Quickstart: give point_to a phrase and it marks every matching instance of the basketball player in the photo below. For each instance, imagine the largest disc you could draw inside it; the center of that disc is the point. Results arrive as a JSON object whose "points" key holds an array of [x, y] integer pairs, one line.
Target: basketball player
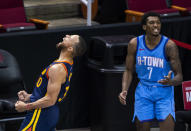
{"points": [[157, 64], [51, 88]]}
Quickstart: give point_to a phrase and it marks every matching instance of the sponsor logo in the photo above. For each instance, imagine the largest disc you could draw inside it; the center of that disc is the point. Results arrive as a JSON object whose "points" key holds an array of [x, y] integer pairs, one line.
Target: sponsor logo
{"points": [[141, 49]]}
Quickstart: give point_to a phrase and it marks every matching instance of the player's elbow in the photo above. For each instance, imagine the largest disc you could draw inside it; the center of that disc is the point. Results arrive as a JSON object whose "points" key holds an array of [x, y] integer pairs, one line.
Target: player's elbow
{"points": [[178, 80], [51, 101], [181, 78]]}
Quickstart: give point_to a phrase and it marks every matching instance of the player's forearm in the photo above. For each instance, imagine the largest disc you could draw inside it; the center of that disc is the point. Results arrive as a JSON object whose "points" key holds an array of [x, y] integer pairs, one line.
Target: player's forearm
{"points": [[126, 81], [44, 102]]}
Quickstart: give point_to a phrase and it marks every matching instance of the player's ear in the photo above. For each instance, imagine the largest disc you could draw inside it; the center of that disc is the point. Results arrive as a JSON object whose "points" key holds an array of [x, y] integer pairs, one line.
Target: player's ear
{"points": [[70, 49], [144, 27]]}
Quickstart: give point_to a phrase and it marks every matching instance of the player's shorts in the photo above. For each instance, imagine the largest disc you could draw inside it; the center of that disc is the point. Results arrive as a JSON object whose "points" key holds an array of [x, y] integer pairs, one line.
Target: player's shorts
{"points": [[153, 102], [41, 119]]}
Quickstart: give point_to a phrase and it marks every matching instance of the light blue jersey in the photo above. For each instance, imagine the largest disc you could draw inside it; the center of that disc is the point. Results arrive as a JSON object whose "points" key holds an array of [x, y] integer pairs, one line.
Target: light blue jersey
{"points": [[151, 64], [152, 99]]}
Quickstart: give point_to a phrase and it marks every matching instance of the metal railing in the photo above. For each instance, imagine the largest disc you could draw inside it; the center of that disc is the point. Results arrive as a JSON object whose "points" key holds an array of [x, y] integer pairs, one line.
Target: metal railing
{"points": [[88, 3]]}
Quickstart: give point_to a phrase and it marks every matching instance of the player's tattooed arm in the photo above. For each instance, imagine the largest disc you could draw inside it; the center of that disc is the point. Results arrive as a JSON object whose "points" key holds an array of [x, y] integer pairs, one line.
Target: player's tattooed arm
{"points": [[172, 55]]}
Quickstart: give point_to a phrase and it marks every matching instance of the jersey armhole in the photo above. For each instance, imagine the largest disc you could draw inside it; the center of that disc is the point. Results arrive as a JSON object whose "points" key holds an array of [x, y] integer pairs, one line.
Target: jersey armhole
{"points": [[64, 69], [137, 46], [164, 50], [47, 73]]}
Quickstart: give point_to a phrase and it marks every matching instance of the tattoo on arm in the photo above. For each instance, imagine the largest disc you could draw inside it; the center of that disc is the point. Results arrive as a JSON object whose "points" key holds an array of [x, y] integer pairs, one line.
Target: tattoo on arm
{"points": [[173, 57]]}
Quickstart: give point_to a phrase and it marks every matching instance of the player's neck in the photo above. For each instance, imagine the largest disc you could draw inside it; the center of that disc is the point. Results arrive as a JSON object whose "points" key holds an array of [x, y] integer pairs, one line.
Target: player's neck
{"points": [[65, 56], [152, 40]]}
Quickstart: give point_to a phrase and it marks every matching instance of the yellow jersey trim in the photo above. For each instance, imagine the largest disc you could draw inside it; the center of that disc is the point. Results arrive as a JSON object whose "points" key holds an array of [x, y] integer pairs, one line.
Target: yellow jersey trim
{"points": [[32, 120], [37, 118]]}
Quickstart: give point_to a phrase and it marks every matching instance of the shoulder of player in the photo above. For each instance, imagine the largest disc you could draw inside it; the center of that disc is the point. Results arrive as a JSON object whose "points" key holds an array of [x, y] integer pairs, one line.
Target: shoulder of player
{"points": [[133, 41], [170, 44], [57, 69], [171, 49], [133, 44]]}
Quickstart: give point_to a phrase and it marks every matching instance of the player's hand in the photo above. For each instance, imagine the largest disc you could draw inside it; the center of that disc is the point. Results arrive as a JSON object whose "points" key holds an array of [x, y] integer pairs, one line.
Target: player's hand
{"points": [[23, 96], [122, 97], [167, 80], [20, 106]]}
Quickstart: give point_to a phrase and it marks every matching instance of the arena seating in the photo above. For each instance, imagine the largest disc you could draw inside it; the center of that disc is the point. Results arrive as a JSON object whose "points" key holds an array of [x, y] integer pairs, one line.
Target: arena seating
{"points": [[13, 18], [11, 82], [182, 5], [136, 8]]}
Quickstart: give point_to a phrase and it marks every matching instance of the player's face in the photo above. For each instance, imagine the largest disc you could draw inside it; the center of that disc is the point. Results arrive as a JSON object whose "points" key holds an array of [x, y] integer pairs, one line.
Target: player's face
{"points": [[69, 41], [153, 26]]}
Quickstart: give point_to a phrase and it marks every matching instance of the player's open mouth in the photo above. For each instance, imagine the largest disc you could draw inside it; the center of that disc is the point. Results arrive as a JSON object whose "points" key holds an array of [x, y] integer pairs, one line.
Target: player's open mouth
{"points": [[156, 30]]}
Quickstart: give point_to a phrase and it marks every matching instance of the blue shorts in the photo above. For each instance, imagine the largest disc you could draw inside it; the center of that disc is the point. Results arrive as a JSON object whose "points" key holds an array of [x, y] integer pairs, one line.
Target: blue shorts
{"points": [[41, 119], [153, 102]]}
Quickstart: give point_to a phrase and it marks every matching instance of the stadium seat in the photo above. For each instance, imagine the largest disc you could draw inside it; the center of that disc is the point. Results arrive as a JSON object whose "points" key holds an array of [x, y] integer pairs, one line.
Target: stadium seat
{"points": [[13, 18], [136, 8], [11, 82], [182, 5]]}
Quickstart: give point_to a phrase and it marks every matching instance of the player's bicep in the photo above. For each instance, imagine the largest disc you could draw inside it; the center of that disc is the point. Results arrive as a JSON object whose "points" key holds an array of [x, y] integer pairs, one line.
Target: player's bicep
{"points": [[173, 56], [131, 51], [57, 76]]}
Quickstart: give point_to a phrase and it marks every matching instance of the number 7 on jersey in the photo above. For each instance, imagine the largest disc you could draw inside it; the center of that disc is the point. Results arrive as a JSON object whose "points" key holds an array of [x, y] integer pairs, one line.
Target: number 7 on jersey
{"points": [[150, 71]]}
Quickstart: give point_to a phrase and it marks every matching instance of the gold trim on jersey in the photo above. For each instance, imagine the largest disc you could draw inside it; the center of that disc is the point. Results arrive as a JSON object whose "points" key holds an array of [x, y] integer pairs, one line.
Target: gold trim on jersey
{"points": [[60, 99], [31, 122], [65, 62], [34, 120], [37, 118]]}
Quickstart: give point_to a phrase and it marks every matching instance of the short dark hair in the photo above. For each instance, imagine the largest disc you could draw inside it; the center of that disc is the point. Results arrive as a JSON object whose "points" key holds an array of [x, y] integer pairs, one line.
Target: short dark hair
{"points": [[80, 48], [146, 15]]}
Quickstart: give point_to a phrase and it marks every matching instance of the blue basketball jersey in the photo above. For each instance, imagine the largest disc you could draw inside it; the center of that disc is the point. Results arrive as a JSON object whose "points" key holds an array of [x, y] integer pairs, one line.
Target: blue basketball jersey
{"points": [[40, 88], [151, 64]]}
